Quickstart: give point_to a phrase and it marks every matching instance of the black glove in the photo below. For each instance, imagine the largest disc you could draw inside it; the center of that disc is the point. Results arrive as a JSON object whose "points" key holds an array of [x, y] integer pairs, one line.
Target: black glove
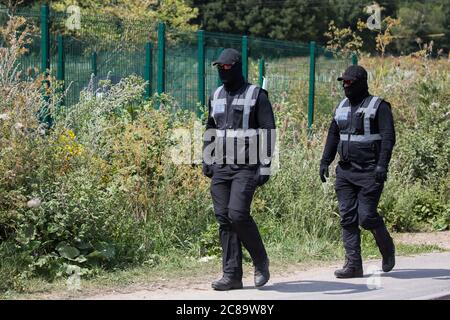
{"points": [[324, 172], [380, 174], [261, 177], [208, 170]]}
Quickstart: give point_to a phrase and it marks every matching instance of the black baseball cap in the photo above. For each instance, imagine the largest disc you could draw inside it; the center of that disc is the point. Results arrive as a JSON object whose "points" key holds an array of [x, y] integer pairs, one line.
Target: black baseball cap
{"points": [[228, 56], [354, 73]]}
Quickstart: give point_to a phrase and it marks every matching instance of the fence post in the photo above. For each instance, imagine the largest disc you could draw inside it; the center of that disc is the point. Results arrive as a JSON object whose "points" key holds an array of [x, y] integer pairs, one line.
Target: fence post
{"points": [[61, 68], [94, 63], [161, 57], [262, 72], [201, 70], [245, 57], [148, 68], [219, 82], [45, 63], [312, 80], [354, 59], [45, 39]]}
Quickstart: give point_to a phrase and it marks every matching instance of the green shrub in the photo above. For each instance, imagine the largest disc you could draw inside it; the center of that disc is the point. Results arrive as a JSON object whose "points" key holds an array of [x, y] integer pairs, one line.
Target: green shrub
{"points": [[415, 208]]}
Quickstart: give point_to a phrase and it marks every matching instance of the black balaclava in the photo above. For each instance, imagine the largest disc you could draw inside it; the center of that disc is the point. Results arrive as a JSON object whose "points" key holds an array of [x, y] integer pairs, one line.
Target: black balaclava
{"points": [[357, 91], [232, 79]]}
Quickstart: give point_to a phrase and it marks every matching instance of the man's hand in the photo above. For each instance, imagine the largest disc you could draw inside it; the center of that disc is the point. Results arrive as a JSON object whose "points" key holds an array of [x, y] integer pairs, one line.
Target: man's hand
{"points": [[324, 172], [208, 170], [380, 174], [262, 175]]}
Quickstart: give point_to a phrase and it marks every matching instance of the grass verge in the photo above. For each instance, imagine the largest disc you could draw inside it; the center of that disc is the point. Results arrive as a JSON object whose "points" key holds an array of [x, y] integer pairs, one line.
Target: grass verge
{"points": [[180, 271]]}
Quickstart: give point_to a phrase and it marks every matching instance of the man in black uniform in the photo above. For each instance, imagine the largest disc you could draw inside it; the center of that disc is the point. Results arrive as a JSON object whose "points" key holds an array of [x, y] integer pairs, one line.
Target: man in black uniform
{"points": [[237, 112], [363, 134]]}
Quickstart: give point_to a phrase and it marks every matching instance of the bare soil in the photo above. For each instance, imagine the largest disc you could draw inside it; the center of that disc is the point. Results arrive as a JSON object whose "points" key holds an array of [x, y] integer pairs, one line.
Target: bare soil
{"points": [[440, 239]]}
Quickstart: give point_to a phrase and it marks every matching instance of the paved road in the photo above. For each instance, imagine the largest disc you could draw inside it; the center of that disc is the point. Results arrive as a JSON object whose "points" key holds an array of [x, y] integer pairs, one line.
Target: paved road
{"points": [[419, 277]]}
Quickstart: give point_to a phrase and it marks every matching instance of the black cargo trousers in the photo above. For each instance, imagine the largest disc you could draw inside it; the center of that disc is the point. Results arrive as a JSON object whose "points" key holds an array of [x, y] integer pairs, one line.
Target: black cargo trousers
{"points": [[358, 195], [232, 190]]}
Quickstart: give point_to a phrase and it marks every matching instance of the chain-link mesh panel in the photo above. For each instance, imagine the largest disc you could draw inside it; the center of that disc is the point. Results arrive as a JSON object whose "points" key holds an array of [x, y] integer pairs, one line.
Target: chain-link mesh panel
{"points": [[328, 89], [102, 48], [286, 66], [106, 47], [181, 68], [30, 62]]}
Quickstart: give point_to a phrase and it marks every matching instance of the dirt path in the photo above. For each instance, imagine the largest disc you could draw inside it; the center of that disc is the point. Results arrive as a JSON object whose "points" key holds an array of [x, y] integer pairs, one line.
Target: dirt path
{"points": [[418, 277], [441, 239]]}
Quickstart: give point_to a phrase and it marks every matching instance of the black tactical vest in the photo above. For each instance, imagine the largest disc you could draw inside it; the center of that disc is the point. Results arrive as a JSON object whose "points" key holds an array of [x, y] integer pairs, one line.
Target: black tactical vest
{"points": [[359, 140], [240, 140]]}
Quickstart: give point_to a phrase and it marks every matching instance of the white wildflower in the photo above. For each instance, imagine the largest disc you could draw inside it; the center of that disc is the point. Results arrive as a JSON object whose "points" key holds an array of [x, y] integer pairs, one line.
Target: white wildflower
{"points": [[206, 259], [34, 203], [41, 131]]}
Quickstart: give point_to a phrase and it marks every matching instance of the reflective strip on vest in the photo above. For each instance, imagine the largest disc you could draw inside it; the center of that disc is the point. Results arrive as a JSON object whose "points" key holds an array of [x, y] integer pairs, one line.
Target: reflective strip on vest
{"points": [[342, 111], [241, 102], [247, 106], [216, 101], [246, 100], [369, 113], [360, 137]]}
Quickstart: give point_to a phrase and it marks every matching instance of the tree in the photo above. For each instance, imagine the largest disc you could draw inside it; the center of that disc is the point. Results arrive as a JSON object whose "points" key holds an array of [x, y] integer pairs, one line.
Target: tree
{"points": [[384, 38], [282, 19], [124, 24], [343, 41], [286, 19], [425, 21], [175, 13], [13, 5], [297, 20]]}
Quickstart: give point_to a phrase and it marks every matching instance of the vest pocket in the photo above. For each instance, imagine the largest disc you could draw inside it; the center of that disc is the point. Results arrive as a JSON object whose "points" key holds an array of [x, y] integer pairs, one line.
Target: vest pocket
{"points": [[342, 120], [219, 115], [362, 152], [238, 114], [358, 123]]}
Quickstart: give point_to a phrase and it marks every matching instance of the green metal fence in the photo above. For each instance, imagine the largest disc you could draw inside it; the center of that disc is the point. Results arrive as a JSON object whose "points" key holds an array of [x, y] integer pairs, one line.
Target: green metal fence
{"points": [[171, 61]]}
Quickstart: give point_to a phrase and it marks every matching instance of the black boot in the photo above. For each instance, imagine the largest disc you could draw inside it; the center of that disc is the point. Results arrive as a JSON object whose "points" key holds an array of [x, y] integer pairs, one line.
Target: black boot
{"points": [[227, 282], [349, 270], [351, 237], [262, 274], [386, 246]]}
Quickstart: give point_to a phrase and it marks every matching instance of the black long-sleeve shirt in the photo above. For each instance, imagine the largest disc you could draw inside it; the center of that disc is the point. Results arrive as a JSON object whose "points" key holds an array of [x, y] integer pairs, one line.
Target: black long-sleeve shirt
{"points": [[384, 121]]}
